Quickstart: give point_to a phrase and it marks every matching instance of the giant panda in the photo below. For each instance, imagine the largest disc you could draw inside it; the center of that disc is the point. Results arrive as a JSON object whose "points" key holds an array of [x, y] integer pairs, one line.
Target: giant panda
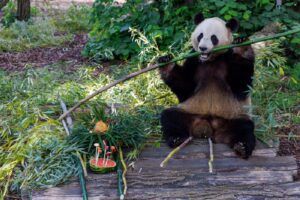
{"points": [[212, 89]]}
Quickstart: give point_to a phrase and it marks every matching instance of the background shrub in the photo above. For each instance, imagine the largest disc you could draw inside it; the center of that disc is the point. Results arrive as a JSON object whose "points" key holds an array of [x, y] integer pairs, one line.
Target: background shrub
{"points": [[169, 23]]}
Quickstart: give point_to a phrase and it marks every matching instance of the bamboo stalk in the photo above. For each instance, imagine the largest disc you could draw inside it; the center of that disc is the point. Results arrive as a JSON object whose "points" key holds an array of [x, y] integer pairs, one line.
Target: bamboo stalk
{"points": [[211, 156], [171, 154], [82, 181], [124, 171], [144, 70], [120, 182]]}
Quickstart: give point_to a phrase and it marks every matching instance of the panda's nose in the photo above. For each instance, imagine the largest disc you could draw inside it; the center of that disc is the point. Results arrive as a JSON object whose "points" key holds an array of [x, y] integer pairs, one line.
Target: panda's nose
{"points": [[203, 48]]}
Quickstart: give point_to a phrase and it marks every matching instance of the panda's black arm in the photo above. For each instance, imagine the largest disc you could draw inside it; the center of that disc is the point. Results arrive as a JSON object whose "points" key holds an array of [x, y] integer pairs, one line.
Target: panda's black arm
{"points": [[180, 79], [240, 71]]}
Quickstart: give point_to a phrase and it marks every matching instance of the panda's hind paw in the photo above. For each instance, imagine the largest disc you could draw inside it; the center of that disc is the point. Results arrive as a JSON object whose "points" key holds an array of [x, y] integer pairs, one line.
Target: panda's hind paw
{"points": [[242, 150], [175, 141]]}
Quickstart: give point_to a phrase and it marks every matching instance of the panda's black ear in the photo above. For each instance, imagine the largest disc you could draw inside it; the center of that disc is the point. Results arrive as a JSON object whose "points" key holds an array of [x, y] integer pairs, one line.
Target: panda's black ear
{"points": [[198, 18], [233, 24]]}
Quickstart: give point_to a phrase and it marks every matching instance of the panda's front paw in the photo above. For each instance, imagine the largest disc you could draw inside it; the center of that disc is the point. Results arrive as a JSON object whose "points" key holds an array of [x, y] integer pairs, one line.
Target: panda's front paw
{"points": [[164, 59], [166, 69], [243, 149], [175, 141]]}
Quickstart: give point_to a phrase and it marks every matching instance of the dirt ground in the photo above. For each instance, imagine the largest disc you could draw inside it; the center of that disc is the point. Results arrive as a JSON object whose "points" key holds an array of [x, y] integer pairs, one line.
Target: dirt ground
{"points": [[40, 57], [290, 146], [59, 4]]}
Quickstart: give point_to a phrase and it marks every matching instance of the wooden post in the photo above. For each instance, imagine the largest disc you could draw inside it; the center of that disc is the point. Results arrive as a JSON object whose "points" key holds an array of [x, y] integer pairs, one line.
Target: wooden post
{"points": [[23, 10]]}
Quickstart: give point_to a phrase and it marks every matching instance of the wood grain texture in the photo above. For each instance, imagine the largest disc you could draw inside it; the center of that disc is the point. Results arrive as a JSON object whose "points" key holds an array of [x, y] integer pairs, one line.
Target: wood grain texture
{"points": [[263, 176], [200, 149]]}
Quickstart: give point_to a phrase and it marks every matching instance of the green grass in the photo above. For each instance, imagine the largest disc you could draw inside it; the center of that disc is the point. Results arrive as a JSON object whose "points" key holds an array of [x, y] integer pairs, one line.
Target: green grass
{"points": [[21, 36], [43, 31]]}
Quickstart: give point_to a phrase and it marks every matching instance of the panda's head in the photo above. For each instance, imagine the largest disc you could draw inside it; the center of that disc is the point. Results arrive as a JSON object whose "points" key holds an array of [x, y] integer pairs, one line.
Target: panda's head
{"points": [[210, 33]]}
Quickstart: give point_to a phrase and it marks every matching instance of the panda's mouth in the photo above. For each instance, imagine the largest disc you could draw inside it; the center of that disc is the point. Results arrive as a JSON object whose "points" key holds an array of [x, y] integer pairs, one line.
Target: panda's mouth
{"points": [[204, 56]]}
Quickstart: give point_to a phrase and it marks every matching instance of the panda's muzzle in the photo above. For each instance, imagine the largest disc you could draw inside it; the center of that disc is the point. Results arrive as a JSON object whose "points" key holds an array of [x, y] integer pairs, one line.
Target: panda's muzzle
{"points": [[204, 56]]}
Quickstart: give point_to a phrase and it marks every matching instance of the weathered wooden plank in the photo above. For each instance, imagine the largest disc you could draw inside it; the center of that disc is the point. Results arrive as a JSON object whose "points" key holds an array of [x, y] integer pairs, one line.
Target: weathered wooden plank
{"points": [[196, 179], [286, 163], [257, 191], [280, 191], [102, 186], [200, 149]]}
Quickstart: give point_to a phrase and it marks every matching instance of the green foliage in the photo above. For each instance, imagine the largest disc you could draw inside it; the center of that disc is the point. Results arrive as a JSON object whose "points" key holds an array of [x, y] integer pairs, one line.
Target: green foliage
{"points": [[170, 24], [9, 14], [275, 92]]}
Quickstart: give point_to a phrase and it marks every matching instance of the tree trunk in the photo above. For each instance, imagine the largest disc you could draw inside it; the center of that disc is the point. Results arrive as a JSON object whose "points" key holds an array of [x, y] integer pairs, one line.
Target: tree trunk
{"points": [[3, 3], [23, 11]]}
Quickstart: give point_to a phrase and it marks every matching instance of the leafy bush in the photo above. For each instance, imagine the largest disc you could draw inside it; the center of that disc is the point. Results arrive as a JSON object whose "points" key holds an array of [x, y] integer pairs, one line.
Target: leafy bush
{"points": [[169, 23], [9, 14], [275, 92]]}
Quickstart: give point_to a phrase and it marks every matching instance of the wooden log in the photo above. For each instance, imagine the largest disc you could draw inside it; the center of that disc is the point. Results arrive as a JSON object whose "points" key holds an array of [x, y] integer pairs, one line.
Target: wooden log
{"points": [[220, 165], [266, 191], [200, 149], [256, 191], [198, 178]]}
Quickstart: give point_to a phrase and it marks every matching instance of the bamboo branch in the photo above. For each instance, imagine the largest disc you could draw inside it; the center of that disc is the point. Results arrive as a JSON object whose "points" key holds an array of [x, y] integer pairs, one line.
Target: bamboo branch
{"points": [[82, 183], [211, 156], [124, 170], [171, 154], [120, 180], [144, 70]]}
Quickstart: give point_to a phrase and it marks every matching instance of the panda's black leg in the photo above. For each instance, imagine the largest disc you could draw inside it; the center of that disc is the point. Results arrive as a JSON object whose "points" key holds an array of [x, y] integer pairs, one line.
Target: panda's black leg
{"points": [[243, 139], [174, 127]]}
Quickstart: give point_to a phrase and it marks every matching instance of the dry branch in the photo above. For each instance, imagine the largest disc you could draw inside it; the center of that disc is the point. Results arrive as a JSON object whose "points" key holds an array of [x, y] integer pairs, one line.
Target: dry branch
{"points": [[130, 76]]}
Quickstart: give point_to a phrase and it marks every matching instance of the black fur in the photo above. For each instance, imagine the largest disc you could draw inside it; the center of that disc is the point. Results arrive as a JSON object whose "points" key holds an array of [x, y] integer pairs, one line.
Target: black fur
{"points": [[243, 140], [240, 73], [200, 37], [233, 25], [198, 18], [175, 126], [180, 78], [214, 40], [182, 82]]}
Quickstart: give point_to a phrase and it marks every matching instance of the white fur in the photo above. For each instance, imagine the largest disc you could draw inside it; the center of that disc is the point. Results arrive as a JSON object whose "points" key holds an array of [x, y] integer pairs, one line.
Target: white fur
{"points": [[209, 27]]}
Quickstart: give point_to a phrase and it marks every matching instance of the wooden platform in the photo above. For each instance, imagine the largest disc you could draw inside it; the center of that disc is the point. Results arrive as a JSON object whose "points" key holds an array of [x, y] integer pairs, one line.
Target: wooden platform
{"points": [[263, 176]]}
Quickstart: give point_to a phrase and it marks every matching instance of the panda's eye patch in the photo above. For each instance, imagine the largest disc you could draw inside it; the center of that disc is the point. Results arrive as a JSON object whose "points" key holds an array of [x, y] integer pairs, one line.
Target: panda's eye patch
{"points": [[214, 39], [200, 37]]}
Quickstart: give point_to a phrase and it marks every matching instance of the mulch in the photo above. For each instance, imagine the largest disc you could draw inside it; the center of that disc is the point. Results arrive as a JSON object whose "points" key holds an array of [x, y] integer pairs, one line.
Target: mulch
{"points": [[290, 146], [40, 57]]}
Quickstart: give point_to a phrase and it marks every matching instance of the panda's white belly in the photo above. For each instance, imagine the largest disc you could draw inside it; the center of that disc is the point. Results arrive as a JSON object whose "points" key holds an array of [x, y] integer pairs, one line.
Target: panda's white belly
{"points": [[214, 100]]}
